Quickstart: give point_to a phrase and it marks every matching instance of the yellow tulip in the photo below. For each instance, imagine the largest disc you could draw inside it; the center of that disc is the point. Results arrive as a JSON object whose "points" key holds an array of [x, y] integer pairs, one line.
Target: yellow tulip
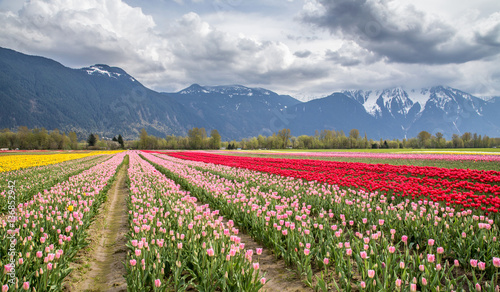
{"points": [[13, 162]]}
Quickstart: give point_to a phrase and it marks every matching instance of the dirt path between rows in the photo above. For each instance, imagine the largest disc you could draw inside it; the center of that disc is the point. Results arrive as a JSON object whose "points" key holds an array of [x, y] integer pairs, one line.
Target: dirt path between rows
{"points": [[99, 267], [279, 276]]}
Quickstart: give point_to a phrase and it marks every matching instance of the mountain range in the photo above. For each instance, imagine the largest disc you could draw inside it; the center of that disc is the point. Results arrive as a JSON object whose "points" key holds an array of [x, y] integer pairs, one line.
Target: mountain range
{"points": [[40, 92]]}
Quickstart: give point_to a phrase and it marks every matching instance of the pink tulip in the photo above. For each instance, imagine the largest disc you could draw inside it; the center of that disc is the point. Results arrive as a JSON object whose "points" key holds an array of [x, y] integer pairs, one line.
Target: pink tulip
{"points": [[7, 268], [473, 263], [398, 283], [478, 287], [496, 262]]}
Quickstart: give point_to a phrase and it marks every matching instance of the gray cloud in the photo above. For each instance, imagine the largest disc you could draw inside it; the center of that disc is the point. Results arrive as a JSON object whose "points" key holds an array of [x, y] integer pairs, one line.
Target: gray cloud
{"points": [[351, 54], [403, 33], [303, 54]]}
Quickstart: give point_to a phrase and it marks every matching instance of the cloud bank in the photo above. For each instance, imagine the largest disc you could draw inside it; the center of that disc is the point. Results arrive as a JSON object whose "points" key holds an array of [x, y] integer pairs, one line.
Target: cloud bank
{"points": [[302, 48]]}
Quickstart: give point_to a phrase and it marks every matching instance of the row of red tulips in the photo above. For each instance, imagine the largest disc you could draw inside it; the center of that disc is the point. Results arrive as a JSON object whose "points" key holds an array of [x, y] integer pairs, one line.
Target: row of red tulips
{"points": [[466, 188]]}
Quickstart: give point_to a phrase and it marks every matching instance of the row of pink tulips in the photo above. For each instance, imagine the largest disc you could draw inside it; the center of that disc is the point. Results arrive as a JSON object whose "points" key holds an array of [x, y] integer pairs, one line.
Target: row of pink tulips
{"points": [[46, 232], [178, 244]]}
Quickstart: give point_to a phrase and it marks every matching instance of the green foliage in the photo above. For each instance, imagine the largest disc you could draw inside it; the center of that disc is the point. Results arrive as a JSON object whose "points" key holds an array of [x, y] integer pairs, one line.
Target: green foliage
{"points": [[120, 141], [196, 138], [91, 140]]}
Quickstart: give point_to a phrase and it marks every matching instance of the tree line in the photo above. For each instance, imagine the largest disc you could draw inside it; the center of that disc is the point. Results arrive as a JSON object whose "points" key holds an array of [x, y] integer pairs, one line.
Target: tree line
{"points": [[325, 139], [197, 138], [42, 139]]}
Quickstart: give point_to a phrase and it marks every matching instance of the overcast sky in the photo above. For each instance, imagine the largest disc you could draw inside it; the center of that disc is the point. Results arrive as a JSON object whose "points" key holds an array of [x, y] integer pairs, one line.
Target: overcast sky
{"points": [[305, 48]]}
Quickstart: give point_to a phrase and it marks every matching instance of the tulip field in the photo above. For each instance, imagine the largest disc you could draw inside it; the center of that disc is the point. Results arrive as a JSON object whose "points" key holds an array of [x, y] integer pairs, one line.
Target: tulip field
{"points": [[337, 226], [41, 235], [350, 227]]}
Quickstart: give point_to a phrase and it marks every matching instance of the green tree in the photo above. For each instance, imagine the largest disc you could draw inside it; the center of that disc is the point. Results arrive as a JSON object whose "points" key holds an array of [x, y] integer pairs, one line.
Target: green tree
{"points": [[423, 137], [120, 141], [91, 140], [353, 138], [196, 137], [56, 140], [440, 141], [215, 139], [284, 136], [143, 139], [457, 141], [73, 140]]}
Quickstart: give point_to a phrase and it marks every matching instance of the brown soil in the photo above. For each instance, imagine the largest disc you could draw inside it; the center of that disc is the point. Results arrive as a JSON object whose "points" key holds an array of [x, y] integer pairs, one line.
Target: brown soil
{"points": [[99, 267], [279, 276]]}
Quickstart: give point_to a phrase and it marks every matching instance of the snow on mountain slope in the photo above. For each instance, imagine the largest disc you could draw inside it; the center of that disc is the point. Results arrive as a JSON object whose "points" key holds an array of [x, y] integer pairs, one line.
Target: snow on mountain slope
{"points": [[396, 101], [368, 99], [105, 70], [419, 96]]}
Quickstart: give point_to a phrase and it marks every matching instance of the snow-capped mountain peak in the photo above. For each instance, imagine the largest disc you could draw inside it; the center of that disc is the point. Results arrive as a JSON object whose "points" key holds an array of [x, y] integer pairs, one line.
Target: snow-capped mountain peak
{"points": [[455, 102], [396, 101], [107, 71]]}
